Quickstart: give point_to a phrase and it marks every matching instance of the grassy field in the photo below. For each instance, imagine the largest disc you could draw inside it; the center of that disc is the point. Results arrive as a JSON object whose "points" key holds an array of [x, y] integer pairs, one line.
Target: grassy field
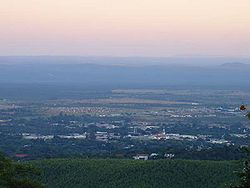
{"points": [[107, 173]]}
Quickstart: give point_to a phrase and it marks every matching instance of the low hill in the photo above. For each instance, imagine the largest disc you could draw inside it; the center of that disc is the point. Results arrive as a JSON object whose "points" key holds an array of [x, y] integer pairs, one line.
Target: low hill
{"points": [[129, 173]]}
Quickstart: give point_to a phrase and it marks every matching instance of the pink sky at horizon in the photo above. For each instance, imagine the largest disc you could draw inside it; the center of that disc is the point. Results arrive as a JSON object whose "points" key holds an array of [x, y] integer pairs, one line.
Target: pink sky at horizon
{"points": [[125, 28]]}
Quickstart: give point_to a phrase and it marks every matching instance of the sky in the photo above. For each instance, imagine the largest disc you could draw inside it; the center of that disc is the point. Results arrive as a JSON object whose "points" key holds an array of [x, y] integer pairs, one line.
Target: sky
{"points": [[155, 28]]}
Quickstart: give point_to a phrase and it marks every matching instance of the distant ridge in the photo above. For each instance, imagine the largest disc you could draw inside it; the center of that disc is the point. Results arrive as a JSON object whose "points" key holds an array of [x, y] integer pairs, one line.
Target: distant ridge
{"points": [[107, 72], [236, 65]]}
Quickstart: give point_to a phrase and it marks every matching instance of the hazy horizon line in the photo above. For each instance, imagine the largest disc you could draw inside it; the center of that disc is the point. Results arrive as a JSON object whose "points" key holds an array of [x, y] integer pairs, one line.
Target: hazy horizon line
{"points": [[123, 60], [111, 56]]}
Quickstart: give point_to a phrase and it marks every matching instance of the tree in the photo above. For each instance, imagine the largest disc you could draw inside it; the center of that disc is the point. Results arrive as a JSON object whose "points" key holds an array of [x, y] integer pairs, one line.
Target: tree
{"points": [[15, 175], [245, 174], [248, 115]]}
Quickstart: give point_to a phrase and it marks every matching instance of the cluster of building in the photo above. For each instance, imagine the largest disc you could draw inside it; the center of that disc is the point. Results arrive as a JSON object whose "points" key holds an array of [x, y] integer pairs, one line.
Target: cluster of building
{"points": [[153, 156], [96, 111]]}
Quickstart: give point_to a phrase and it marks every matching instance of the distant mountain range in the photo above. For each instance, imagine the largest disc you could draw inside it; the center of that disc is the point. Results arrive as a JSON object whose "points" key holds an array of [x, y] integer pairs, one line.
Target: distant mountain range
{"points": [[123, 72]]}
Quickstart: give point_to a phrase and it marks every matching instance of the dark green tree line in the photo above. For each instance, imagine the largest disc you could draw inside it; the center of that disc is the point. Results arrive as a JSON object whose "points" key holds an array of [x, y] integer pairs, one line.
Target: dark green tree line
{"points": [[16, 175]]}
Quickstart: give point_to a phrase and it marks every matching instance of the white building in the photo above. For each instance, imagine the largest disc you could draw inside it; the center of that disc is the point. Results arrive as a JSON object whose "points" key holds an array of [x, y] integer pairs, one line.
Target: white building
{"points": [[141, 157]]}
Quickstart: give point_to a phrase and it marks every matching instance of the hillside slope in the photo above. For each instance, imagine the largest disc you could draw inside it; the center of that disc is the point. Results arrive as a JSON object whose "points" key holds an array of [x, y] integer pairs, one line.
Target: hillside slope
{"points": [[128, 173]]}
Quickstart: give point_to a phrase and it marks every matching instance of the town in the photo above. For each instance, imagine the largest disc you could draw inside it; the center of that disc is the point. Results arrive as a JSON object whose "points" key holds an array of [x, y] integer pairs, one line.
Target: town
{"points": [[125, 124]]}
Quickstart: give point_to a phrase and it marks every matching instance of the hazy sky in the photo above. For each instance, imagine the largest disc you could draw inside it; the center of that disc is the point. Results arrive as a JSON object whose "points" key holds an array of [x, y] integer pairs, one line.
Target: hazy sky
{"points": [[125, 27]]}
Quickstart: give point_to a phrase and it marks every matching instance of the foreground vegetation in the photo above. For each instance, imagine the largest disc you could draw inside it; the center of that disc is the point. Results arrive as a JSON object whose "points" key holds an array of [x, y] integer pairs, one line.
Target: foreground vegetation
{"points": [[17, 175], [128, 173]]}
